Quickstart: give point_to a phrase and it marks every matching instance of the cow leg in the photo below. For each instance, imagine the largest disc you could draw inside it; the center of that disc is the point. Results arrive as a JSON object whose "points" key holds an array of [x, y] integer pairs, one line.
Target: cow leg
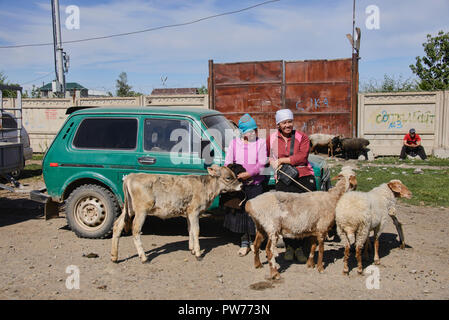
{"points": [[190, 236], [119, 224], [257, 242], [274, 273], [310, 261], [138, 222], [195, 233]]}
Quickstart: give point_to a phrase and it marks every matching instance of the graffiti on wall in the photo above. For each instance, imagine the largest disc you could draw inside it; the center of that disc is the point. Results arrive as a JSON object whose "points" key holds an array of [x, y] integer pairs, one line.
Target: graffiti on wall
{"points": [[315, 103], [395, 120]]}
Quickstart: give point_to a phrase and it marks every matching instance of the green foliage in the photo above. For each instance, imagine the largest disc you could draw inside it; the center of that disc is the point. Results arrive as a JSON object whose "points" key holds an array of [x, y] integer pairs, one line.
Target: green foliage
{"points": [[428, 188], [202, 90], [390, 84], [7, 93], [433, 69], [123, 89]]}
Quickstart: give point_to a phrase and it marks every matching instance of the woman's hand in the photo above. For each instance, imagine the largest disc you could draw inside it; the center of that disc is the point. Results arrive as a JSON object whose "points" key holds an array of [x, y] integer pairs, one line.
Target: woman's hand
{"points": [[243, 176]]}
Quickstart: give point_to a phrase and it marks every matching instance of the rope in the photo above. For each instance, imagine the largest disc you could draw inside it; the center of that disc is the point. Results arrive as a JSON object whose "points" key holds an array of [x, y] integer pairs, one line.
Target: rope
{"points": [[305, 188]]}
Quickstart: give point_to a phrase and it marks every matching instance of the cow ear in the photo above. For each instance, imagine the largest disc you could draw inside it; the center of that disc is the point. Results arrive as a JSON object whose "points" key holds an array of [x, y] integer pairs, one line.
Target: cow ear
{"points": [[214, 170]]}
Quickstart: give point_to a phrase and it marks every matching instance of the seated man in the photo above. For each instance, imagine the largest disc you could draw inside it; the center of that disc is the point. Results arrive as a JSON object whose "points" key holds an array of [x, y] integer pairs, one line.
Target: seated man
{"points": [[412, 146]]}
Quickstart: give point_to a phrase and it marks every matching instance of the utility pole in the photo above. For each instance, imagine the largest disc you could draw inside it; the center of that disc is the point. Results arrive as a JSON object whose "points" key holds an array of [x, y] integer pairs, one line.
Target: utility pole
{"points": [[59, 84]]}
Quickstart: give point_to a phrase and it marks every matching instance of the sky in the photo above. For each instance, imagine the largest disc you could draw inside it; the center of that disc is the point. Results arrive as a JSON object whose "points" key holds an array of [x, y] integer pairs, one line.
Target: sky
{"points": [[287, 30]]}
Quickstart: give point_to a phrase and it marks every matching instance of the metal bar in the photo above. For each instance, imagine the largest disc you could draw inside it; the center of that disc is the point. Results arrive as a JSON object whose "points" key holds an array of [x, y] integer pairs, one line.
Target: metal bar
{"points": [[294, 112], [240, 84]]}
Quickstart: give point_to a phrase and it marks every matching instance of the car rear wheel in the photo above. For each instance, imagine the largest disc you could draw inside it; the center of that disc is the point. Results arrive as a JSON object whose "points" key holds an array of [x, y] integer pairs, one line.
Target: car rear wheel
{"points": [[91, 211]]}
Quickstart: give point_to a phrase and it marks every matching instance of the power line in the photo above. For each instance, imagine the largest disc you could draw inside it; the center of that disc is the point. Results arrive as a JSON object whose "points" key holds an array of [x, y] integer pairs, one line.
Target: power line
{"points": [[144, 30], [44, 76]]}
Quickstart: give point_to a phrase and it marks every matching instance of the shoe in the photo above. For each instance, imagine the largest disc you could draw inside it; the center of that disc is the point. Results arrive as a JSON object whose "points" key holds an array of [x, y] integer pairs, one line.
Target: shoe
{"points": [[300, 257], [243, 251], [289, 254], [252, 247]]}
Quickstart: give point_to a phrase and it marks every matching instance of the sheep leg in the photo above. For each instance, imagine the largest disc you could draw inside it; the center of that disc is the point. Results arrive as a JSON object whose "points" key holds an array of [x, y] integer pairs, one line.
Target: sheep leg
{"points": [[274, 273], [366, 249], [358, 255], [119, 224], [345, 260], [310, 260], [257, 242], [139, 219], [320, 267], [376, 249]]}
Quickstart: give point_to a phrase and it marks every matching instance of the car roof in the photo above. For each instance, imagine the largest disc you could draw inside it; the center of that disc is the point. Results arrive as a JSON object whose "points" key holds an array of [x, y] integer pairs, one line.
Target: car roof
{"points": [[162, 110]]}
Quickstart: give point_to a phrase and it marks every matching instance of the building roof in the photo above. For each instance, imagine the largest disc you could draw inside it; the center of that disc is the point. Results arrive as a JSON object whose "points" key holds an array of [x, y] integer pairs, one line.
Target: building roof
{"points": [[172, 91], [68, 86]]}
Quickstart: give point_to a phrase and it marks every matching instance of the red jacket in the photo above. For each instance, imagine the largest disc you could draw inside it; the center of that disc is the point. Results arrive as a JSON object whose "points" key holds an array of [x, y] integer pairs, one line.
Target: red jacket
{"points": [[411, 140], [299, 159]]}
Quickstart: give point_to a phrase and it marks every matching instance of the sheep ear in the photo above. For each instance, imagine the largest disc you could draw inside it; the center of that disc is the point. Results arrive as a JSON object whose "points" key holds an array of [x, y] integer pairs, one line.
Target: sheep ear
{"points": [[353, 182], [337, 177], [395, 186], [214, 170]]}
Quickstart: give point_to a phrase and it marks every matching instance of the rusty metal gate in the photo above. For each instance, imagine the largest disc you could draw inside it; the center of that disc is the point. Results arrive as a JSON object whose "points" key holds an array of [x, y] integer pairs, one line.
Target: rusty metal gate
{"points": [[320, 93]]}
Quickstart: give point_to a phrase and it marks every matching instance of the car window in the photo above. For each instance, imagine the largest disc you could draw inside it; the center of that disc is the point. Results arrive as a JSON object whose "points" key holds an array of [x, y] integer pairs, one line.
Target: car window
{"points": [[106, 133], [8, 122], [168, 135]]}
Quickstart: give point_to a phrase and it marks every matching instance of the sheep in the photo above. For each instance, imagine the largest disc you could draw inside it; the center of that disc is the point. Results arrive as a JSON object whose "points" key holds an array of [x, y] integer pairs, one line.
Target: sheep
{"points": [[296, 215], [352, 145], [358, 213], [322, 140]]}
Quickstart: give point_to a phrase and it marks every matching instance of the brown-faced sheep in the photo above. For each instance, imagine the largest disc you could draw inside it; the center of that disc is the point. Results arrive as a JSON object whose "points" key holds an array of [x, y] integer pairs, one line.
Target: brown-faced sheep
{"points": [[358, 213], [296, 215]]}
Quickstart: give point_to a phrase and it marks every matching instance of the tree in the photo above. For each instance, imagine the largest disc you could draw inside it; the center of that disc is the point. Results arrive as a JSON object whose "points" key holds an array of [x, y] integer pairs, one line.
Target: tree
{"points": [[122, 86], [123, 89], [433, 69], [390, 84], [202, 90], [7, 93]]}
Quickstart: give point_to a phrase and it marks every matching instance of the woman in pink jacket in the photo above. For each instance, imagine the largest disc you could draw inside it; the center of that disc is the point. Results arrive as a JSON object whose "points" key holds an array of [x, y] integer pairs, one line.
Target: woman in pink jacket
{"points": [[251, 152]]}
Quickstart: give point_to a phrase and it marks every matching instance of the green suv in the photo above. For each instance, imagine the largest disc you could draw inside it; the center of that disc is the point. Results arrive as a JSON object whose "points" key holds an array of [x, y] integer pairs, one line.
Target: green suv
{"points": [[97, 147]]}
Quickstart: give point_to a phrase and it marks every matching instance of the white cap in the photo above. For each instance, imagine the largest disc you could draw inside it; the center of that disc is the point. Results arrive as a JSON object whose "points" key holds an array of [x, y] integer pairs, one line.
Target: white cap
{"points": [[283, 114]]}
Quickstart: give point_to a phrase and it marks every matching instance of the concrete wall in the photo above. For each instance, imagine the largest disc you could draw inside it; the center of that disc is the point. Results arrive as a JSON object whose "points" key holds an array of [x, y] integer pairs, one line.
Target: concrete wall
{"points": [[384, 119], [42, 118]]}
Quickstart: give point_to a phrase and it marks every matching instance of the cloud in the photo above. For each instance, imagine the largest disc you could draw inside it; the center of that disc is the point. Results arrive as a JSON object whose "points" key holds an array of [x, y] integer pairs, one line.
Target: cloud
{"points": [[289, 30]]}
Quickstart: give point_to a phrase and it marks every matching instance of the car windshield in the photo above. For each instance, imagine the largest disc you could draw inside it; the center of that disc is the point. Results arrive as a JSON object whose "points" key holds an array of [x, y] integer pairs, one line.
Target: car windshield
{"points": [[221, 129]]}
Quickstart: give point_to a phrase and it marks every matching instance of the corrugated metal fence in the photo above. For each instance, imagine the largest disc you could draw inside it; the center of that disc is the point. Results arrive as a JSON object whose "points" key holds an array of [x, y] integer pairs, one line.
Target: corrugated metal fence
{"points": [[319, 92]]}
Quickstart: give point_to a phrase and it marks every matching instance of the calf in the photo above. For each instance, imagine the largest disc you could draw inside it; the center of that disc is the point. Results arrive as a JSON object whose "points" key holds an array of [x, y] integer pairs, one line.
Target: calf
{"points": [[167, 196]]}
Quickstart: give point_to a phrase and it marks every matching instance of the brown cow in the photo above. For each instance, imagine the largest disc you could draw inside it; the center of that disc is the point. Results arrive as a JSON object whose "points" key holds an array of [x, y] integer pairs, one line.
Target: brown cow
{"points": [[167, 196]]}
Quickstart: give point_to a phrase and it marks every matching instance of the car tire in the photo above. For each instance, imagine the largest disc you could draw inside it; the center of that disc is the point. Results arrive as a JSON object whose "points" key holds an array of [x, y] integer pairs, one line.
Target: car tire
{"points": [[91, 211]]}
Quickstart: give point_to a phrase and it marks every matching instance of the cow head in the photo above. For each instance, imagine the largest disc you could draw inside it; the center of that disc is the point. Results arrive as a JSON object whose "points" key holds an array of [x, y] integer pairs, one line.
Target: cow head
{"points": [[226, 178]]}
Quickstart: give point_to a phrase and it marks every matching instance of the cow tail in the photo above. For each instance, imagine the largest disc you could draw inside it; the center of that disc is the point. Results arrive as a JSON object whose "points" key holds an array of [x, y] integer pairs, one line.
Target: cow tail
{"points": [[128, 218]]}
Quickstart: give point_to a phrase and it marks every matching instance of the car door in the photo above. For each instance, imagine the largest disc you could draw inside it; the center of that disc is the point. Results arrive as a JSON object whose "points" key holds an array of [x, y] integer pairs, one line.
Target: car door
{"points": [[170, 145]]}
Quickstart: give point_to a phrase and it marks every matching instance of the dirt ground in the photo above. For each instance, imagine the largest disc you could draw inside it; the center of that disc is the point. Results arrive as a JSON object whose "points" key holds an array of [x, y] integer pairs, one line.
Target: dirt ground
{"points": [[38, 258]]}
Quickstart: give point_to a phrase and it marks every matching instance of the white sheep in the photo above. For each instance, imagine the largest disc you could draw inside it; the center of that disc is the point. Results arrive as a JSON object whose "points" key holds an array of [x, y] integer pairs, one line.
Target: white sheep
{"points": [[322, 140], [357, 213], [296, 215]]}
